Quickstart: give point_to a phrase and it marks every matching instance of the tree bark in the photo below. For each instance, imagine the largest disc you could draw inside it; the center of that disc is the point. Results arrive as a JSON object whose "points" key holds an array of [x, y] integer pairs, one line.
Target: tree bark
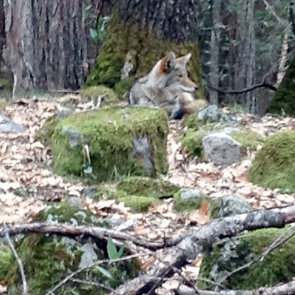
{"points": [[45, 43], [142, 32], [2, 31], [214, 48]]}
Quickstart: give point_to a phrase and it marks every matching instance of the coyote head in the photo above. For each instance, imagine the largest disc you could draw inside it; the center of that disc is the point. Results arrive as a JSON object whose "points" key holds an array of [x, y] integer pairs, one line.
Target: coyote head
{"points": [[174, 70]]}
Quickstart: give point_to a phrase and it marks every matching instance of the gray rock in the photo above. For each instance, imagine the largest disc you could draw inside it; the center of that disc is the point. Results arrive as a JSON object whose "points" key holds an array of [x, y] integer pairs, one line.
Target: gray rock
{"points": [[75, 202], [88, 257], [221, 148], [232, 205], [189, 194], [76, 138], [6, 125], [89, 192], [62, 114], [209, 114]]}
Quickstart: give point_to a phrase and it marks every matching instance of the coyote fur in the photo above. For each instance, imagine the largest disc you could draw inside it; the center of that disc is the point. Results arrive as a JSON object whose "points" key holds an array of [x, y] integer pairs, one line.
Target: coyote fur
{"points": [[167, 86]]}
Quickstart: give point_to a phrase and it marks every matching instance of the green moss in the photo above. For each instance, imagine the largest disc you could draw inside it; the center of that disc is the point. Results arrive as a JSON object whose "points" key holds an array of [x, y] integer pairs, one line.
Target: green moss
{"points": [[3, 104], [5, 259], [138, 193], [124, 38], [5, 84], [123, 87], [110, 131], [48, 259], [191, 122], [283, 100], [249, 139], [143, 186], [45, 133], [189, 205], [274, 164], [277, 267], [138, 203], [95, 91], [191, 141]]}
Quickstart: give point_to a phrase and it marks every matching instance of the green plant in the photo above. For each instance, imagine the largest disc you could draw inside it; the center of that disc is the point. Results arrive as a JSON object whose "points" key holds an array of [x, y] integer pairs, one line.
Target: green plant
{"points": [[99, 33]]}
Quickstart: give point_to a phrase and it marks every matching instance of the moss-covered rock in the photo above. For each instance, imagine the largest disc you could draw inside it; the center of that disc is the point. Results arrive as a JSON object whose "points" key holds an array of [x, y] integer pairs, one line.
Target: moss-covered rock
{"points": [[248, 138], [138, 193], [111, 133], [123, 38], [278, 266], [274, 164], [48, 259], [187, 206], [191, 141], [283, 100]]}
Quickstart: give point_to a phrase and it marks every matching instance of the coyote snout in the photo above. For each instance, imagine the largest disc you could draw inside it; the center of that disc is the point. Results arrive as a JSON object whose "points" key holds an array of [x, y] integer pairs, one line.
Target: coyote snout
{"points": [[167, 86]]}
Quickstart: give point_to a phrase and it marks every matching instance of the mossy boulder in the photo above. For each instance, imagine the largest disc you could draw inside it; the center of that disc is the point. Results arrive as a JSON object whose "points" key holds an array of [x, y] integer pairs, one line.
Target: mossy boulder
{"points": [[48, 259], [187, 206], [126, 37], [274, 163], [122, 141], [278, 266], [283, 100], [248, 138], [138, 193]]}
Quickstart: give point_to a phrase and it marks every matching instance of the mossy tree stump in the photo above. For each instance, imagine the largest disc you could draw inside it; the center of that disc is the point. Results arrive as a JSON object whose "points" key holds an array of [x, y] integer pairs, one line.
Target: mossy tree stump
{"points": [[121, 141], [134, 35]]}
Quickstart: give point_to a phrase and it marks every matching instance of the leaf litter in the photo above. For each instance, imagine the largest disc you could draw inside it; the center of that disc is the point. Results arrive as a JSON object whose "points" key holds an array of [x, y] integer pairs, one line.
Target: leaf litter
{"points": [[28, 181]]}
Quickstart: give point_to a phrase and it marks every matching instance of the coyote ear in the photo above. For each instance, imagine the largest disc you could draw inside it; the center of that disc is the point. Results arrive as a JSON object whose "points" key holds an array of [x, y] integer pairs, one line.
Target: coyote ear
{"points": [[167, 63], [171, 61], [185, 59]]}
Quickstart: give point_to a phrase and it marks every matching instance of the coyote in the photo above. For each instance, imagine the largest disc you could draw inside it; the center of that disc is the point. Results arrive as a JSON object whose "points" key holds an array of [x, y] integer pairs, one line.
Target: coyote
{"points": [[167, 86]]}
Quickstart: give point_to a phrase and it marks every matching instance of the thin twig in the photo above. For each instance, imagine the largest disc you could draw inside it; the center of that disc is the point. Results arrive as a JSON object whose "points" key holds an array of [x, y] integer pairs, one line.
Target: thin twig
{"points": [[92, 284], [90, 266], [19, 262], [277, 243]]}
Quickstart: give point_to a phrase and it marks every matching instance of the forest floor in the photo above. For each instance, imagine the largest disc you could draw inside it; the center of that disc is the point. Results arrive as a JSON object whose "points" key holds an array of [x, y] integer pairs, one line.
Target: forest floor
{"points": [[28, 182]]}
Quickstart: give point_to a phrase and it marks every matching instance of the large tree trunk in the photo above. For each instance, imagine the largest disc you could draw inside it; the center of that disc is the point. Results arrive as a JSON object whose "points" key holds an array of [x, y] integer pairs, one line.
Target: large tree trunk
{"points": [[45, 43], [142, 32]]}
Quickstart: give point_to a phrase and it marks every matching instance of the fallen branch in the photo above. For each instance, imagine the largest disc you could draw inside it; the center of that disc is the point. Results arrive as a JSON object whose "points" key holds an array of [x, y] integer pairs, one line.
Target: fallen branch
{"points": [[282, 289], [199, 241], [263, 84], [18, 260], [177, 252]]}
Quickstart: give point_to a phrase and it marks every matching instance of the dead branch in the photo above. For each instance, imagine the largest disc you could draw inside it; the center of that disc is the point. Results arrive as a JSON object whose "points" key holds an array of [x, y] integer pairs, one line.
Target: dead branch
{"points": [[277, 243], [263, 84], [177, 252], [18, 260], [282, 289], [200, 240]]}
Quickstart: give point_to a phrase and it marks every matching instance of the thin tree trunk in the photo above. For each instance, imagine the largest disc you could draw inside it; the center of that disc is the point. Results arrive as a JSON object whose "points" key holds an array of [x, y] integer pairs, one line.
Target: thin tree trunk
{"points": [[214, 48], [2, 31], [251, 102], [283, 60], [45, 43]]}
